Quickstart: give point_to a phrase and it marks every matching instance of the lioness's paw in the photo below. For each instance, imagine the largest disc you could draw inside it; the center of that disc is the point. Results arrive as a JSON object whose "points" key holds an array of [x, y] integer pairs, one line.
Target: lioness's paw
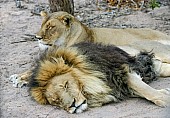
{"points": [[17, 81]]}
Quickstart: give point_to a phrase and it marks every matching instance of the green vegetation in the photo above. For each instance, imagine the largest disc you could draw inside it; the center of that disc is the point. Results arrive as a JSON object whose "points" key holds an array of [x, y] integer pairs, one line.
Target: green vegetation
{"points": [[153, 4]]}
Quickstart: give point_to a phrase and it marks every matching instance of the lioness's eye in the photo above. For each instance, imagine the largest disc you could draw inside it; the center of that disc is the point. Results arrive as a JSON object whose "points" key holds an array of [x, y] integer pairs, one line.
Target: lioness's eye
{"points": [[50, 27]]}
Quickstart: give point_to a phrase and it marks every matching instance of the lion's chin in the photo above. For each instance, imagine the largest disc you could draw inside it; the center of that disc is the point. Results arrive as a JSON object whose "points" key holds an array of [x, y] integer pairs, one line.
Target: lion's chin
{"points": [[78, 109]]}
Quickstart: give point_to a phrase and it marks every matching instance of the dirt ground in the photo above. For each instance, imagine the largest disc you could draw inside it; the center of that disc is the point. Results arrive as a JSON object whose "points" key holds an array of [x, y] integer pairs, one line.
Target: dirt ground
{"points": [[17, 55]]}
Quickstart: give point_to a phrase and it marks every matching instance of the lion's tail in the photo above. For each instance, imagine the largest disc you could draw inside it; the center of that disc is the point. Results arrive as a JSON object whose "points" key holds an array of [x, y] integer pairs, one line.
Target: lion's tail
{"points": [[144, 66]]}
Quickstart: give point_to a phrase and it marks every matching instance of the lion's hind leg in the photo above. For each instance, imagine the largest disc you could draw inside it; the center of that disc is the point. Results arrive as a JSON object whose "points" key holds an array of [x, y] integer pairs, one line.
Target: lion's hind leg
{"points": [[159, 97], [162, 69], [20, 80]]}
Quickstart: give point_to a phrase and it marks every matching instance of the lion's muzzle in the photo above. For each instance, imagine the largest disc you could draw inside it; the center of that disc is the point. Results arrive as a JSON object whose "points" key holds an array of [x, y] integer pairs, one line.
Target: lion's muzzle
{"points": [[77, 108]]}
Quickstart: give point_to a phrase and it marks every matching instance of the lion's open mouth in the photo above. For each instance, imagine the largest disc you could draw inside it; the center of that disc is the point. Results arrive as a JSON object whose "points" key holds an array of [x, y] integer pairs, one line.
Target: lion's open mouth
{"points": [[79, 108]]}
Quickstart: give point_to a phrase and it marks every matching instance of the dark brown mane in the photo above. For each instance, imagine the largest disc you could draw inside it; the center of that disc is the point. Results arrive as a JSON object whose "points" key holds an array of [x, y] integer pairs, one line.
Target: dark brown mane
{"points": [[116, 63]]}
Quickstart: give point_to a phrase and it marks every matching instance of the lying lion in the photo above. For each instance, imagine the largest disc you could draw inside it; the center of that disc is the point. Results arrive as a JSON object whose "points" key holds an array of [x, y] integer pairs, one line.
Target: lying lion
{"points": [[91, 75]]}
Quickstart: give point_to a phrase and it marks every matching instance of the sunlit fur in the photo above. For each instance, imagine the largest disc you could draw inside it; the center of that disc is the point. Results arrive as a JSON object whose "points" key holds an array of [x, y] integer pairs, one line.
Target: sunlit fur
{"points": [[75, 77]]}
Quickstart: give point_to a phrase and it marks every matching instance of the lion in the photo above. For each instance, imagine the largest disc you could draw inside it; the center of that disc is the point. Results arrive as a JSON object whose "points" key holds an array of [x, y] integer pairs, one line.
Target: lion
{"points": [[62, 29], [91, 75]]}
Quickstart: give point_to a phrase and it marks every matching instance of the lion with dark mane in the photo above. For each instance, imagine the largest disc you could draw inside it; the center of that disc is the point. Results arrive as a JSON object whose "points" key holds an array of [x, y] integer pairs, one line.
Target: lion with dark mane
{"points": [[88, 74]]}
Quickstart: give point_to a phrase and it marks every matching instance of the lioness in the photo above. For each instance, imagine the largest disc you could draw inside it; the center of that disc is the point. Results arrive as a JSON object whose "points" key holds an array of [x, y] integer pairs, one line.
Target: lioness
{"points": [[61, 28], [89, 74]]}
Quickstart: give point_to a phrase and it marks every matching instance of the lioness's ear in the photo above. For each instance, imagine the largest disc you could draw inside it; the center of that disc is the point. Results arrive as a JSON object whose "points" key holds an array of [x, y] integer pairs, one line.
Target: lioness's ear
{"points": [[43, 13], [66, 20]]}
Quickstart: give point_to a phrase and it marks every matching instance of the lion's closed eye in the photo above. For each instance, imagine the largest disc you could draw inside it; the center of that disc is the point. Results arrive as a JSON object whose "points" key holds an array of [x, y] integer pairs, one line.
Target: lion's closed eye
{"points": [[65, 85]]}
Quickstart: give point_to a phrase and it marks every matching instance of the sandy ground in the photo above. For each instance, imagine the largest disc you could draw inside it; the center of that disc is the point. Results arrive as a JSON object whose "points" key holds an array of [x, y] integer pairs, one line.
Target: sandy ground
{"points": [[17, 54]]}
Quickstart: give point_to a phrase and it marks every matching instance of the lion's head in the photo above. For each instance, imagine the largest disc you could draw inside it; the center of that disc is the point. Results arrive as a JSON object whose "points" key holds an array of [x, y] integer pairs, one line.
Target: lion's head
{"points": [[56, 81], [66, 91], [61, 28]]}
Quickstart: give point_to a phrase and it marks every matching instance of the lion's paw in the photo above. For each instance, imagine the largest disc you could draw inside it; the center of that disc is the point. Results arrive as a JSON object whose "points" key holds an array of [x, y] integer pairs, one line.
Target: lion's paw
{"points": [[160, 103], [165, 91], [164, 98], [17, 81]]}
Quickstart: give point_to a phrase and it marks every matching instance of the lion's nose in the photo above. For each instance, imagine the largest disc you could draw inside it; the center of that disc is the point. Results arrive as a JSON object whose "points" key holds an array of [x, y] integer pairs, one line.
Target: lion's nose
{"points": [[73, 104], [84, 102], [38, 37]]}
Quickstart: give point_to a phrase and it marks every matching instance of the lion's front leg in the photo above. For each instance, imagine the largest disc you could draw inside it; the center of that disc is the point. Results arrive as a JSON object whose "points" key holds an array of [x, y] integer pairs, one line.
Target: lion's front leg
{"points": [[159, 97], [20, 80]]}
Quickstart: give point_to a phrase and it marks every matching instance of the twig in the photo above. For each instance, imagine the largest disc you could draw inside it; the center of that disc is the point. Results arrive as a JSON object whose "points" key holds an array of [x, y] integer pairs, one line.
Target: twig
{"points": [[29, 37], [18, 42]]}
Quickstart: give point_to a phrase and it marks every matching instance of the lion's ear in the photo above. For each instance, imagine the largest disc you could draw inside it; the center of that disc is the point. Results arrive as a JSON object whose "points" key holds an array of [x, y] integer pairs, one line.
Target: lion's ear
{"points": [[66, 20], [43, 13]]}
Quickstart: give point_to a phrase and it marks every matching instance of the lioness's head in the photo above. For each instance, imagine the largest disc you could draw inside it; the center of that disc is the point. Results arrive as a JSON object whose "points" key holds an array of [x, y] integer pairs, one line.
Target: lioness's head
{"points": [[54, 29]]}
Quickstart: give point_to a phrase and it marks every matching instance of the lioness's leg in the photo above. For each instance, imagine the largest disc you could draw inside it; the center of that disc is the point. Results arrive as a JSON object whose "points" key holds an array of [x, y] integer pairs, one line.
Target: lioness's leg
{"points": [[162, 69], [20, 80], [159, 97]]}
